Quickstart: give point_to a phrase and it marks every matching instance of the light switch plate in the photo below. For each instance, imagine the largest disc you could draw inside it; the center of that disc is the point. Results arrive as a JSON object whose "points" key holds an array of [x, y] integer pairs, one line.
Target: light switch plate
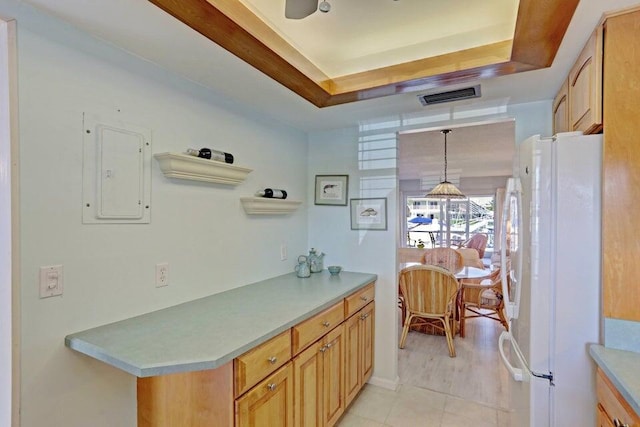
{"points": [[51, 280]]}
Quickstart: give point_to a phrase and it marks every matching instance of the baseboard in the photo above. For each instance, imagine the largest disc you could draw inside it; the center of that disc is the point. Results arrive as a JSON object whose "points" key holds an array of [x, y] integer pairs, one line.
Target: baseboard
{"points": [[385, 383]]}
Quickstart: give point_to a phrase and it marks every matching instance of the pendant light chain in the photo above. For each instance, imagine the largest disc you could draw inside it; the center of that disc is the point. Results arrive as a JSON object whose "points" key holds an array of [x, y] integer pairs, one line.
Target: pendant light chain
{"points": [[445, 154]]}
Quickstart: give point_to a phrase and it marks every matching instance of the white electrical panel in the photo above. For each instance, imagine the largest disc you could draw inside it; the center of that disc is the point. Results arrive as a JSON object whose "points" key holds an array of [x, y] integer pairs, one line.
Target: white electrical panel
{"points": [[116, 172]]}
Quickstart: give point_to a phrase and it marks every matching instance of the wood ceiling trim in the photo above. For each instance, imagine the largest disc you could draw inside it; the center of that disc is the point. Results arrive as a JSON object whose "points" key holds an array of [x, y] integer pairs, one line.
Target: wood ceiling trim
{"points": [[422, 68], [540, 27]]}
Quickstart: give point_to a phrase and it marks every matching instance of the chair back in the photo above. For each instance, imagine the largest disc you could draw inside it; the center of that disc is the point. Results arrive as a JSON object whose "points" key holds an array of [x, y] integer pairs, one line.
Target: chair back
{"points": [[470, 257], [428, 289], [478, 242], [446, 258]]}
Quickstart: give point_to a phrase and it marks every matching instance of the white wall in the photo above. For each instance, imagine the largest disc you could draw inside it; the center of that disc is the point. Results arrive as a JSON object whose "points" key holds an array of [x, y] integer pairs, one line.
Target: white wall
{"points": [[336, 152], [200, 229]]}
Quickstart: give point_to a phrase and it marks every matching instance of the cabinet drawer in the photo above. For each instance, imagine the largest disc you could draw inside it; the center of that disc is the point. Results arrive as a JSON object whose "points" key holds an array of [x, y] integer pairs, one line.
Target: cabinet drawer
{"points": [[260, 361], [311, 329], [359, 299], [613, 403]]}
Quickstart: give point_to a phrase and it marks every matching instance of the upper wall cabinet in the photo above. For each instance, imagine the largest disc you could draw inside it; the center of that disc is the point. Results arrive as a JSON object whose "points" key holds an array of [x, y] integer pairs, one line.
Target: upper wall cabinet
{"points": [[561, 110], [621, 174], [585, 87]]}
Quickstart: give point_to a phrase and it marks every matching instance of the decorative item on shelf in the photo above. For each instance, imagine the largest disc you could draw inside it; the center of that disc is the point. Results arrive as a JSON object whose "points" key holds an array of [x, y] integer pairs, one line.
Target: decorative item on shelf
{"points": [[208, 153], [272, 193], [303, 269], [334, 269], [316, 261]]}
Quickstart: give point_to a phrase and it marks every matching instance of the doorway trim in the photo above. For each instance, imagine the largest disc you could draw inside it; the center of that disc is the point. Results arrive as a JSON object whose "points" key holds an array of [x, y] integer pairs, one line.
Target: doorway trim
{"points": [[9, 222]]}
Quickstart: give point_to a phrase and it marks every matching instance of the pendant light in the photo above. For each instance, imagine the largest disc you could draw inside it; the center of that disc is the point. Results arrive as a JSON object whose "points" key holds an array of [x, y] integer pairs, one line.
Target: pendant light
{"points": [[445, 190]]}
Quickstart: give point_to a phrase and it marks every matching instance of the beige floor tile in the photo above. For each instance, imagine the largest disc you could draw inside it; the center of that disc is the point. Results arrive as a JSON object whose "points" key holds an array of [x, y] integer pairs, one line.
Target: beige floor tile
{"points": [[459, 420], [504, 419], [352, 420], [424, 397], [373, 403], [472, 411], [413, 413]]}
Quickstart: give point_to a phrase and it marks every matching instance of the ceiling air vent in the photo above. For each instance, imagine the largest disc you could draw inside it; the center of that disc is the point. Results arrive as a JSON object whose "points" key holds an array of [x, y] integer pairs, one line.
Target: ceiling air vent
{"points": [[449, 96]]}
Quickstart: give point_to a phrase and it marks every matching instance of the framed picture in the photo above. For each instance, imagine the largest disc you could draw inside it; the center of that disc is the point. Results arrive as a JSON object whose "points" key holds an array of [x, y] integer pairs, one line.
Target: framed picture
{"points": [[369, 214], [332, 190]]}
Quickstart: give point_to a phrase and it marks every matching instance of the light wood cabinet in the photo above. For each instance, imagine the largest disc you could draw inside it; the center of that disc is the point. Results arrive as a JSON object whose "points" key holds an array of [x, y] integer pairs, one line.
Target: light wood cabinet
{"points": [[359, 332], [265, 386], [256, 364], [561, 110], [585, 87], [319, 381], [613, 409], [358, 300], [311, 329], [270, 403], [621, 174]]}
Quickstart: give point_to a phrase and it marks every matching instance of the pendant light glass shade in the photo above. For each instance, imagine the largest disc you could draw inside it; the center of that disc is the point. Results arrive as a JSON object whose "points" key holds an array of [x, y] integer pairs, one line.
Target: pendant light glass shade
{"points": [[445, 190]]}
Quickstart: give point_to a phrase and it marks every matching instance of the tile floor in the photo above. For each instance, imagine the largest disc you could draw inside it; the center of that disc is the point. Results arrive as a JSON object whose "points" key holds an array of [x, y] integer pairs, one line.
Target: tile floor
{"points": [[470, 390], [411, 406]]}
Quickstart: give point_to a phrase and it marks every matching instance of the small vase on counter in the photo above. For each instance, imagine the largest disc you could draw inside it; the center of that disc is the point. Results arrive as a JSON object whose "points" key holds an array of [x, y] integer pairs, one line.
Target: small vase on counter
{"points": [[303, 269], [316, 261]]}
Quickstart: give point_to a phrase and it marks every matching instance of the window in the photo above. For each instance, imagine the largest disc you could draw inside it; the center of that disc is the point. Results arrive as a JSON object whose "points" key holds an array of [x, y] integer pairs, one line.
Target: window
{"points": [[442, 223]]}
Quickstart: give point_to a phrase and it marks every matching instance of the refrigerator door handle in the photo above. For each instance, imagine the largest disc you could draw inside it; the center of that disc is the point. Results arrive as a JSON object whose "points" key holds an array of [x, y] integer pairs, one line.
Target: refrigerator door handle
{"points": [[516, 373]]}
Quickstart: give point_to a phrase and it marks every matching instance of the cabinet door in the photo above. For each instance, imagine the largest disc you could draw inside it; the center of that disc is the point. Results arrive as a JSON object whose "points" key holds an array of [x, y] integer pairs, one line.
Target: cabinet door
{"points": [[367, 332], [353, 356], [307, 373], [269, 403], [561, 109], [603, 419], [585, 87], [620, 172], [333, 376]]}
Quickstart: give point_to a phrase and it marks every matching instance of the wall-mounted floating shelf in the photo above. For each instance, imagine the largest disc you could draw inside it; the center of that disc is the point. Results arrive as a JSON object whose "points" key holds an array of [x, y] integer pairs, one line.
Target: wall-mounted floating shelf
{"points": [[266, 206], [183, 166]]}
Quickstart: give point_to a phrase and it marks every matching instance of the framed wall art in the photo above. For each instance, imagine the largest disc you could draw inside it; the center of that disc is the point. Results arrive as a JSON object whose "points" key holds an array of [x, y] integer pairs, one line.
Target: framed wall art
{"points": [[369, 214], [332, 190]]}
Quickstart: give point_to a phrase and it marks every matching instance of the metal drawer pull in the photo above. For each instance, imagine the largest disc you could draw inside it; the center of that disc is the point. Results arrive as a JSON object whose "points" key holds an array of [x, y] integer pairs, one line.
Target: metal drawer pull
{"points": [[329, 345], [618, 423], [323, 349], [363, 298], [271, 386], [364, 316], [326, 324], [272, 360]]}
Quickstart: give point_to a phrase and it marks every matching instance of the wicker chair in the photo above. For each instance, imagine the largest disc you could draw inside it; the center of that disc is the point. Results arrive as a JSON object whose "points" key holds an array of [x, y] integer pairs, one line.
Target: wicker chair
{"points": [[446, 258], [478, 242], [482, 298], [429, 294], [470, 257]]}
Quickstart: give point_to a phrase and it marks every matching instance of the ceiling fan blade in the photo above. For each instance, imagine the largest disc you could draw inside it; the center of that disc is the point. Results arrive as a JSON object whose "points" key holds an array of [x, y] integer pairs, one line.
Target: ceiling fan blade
{"points": [[298, 9]]}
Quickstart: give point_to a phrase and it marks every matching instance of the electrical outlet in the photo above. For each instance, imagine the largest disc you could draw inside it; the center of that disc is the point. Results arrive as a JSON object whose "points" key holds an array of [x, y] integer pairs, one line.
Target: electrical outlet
{"points": [[283, 252], [162, 274], [51, 281]]}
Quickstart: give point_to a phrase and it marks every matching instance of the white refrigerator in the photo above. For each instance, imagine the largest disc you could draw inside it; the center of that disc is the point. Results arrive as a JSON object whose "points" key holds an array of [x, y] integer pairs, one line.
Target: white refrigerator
{"points": [[551, 253]]}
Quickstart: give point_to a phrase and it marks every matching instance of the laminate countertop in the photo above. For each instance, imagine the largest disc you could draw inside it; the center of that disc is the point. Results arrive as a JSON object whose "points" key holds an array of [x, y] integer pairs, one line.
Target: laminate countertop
{"points": [[623, 369], [208, 332]]}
